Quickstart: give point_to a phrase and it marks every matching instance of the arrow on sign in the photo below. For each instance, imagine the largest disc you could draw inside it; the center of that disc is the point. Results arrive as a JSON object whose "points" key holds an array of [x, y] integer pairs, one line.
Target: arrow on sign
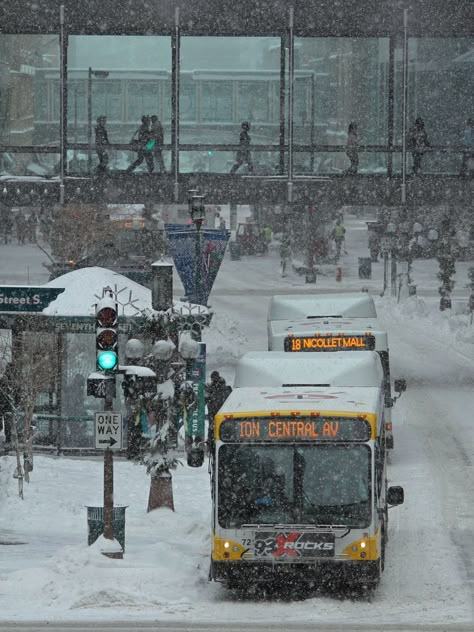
{"points": [[110, 441]]}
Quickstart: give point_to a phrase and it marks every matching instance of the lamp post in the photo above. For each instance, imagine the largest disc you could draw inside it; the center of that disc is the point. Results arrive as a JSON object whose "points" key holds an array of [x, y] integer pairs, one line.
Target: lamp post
{"points": [[101, 74], [197, 212], [391, 232]]}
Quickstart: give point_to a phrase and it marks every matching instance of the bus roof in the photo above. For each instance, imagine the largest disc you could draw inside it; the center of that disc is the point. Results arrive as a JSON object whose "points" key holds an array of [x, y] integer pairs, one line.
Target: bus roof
{"points": [[296, 306], [327, 400], [278, 368], [278, 330]]}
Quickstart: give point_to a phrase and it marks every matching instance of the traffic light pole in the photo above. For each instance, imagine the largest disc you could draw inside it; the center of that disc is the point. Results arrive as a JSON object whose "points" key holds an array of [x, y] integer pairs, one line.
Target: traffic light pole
{"points": [[108, 483]]}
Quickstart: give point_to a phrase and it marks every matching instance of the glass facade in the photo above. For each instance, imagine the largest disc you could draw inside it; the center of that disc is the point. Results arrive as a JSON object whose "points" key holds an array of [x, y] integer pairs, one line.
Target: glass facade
{"points": [[225, 81], [441, 92], [122, 78], [339, 81], [25, 102]]}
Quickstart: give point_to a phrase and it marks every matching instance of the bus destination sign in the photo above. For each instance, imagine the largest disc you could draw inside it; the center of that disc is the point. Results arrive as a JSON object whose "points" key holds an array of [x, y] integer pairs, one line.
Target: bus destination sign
{"points": [[336, 342], [291, 429]]}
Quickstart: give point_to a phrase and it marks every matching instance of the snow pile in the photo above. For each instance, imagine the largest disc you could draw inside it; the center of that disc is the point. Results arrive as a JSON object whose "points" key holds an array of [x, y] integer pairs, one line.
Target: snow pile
{"points": [[163, 575], [229, 337], [166, 553], [107, 546], [419, 315]]}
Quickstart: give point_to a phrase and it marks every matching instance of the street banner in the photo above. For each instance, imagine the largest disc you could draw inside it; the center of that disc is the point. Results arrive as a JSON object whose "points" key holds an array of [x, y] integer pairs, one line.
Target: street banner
{"points": [[182, 241], [197, 376]]}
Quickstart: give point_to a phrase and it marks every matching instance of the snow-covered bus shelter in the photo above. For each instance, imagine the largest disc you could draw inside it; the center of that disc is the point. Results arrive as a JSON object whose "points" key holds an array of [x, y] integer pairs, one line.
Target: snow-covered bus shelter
{"points": [[57, 349]]}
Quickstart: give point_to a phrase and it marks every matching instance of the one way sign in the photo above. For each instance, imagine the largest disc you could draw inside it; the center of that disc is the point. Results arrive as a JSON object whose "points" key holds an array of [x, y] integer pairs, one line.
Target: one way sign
{"points": [[108, 430]]}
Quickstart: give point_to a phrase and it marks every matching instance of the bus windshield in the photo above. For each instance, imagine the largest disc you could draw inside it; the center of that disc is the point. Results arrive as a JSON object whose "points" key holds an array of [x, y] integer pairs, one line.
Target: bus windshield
{"points": [[294, 484]]}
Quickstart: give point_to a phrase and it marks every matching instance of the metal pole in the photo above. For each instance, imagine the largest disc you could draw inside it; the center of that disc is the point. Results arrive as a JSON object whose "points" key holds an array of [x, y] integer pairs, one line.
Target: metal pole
{"points": [[75, 115], [390, 104], [393, 273], [310, 276], [89, 121], [282, 104], [385, 272], [108, 483], [405, 104], [313, 112], [63, 104], [198, 275], [175, 63], [291, 87]]}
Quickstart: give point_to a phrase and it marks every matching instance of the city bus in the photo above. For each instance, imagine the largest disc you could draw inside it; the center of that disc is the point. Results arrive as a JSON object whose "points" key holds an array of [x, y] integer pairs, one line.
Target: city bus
{"points": [[299, 487], [329, 335], [309, 306]]}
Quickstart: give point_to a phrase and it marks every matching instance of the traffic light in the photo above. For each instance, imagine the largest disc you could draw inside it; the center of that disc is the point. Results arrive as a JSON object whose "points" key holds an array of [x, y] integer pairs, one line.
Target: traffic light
{"points": [[106, 340]]}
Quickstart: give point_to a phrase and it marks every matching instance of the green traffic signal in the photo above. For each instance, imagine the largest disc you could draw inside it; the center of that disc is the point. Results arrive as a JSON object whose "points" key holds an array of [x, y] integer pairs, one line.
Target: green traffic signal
{"points": [[107, 360]]}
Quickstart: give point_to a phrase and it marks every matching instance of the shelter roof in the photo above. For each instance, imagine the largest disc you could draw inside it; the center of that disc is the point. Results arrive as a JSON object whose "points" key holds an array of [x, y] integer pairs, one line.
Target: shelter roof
{"points": [[83, 288]]}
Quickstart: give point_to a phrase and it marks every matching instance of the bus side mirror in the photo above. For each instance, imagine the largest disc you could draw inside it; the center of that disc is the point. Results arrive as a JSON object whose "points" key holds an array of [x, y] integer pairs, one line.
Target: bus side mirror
{"points": [[395, 495], [400, 386]]}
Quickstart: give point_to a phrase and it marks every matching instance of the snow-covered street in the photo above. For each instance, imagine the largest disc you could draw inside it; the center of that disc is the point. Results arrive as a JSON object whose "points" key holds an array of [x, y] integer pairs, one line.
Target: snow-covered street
{"points": [[49, 573]]}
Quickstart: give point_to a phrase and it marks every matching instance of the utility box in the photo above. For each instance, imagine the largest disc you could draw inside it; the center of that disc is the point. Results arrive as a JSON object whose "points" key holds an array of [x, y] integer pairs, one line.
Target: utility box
{"points": [[365, 268], [234, 251]]}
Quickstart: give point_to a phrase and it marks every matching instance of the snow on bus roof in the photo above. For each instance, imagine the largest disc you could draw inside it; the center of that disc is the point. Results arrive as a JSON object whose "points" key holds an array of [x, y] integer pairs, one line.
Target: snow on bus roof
{"points": [[328, 399], [295, 306], [278, 368], [334, 325]]}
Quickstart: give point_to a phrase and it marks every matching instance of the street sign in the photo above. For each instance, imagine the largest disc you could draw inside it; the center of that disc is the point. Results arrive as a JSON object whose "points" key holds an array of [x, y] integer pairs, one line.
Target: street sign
{"points": [[27, 298], [108, 430], [197, 376]]}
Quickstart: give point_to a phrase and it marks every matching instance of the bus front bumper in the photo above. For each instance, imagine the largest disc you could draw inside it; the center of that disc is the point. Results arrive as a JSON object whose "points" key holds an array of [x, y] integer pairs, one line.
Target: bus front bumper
{"points": [[347, 571]]}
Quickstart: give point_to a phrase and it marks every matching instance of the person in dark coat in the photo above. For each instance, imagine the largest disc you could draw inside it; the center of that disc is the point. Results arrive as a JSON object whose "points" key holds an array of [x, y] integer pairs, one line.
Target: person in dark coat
{"points": [[6, 223], [374, 246], [468, 153], [31, 226], [157, 135], [21, 227], [101, 144], [143, 136], [217, 391], [352, 151], [243, 155], [417, 144]]}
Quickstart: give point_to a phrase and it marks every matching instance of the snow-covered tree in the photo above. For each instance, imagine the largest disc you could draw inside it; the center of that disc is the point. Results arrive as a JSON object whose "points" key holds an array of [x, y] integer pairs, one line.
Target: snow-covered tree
{"points": [[30, 361], [78, 231]]}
